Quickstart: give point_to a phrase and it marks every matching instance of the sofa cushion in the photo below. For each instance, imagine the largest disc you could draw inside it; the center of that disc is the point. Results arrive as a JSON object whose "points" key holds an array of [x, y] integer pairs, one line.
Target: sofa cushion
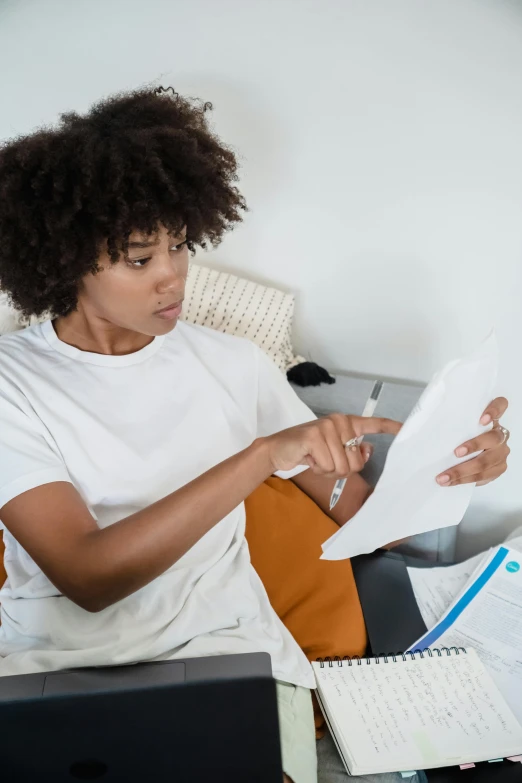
{"points": [[316, 599]]}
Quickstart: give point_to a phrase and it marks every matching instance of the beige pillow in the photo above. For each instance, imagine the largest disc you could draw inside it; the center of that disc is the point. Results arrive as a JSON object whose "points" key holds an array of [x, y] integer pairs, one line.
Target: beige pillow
{"points": [[237, 306], [10, 318]]}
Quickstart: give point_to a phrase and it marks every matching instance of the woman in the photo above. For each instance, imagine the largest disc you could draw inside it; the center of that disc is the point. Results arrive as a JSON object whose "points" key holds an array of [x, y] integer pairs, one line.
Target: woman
{"points": [[129, 440]]}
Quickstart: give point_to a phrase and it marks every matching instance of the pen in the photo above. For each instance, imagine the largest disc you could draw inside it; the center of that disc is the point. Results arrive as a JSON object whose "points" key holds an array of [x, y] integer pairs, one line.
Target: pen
{"points": [[369, 410]]}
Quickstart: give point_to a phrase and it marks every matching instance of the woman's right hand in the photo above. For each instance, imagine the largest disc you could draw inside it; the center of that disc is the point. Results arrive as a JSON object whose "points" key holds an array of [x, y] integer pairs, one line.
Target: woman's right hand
{"points": [[321, 444]]}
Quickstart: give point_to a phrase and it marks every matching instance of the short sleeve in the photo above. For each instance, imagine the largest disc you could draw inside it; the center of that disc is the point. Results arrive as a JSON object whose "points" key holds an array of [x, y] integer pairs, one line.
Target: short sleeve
{"points": [[28, 458], [278, 406]]}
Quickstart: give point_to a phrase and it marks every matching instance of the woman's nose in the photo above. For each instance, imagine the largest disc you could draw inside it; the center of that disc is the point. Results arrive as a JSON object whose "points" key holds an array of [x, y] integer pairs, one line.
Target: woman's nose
{"points": [[172, 277]]}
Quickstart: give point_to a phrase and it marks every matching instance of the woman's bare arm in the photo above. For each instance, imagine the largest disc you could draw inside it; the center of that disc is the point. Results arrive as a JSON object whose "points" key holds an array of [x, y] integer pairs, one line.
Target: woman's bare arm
{"points": [[320, 489], [96, 567]]}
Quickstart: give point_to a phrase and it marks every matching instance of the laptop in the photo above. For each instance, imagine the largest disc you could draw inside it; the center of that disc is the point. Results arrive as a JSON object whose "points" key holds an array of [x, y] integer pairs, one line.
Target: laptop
{"points": [[179, 721]]}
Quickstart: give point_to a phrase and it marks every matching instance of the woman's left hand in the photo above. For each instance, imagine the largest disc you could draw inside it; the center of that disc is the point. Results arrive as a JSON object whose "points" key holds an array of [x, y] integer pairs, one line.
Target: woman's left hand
{"points": [[489, 465]]}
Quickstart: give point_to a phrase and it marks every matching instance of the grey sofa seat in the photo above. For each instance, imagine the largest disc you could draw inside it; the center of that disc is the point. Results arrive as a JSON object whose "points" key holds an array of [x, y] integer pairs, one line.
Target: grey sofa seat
{"points": [[348, 395]]}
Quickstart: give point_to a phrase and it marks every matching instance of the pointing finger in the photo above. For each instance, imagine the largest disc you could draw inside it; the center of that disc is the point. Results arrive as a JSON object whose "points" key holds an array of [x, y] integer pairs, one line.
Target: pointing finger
{"points": [[375, 426]]}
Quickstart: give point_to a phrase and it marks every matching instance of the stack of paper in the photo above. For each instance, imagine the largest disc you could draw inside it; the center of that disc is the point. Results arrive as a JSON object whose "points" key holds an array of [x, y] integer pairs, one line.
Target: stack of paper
{"points": [[485, 613]]}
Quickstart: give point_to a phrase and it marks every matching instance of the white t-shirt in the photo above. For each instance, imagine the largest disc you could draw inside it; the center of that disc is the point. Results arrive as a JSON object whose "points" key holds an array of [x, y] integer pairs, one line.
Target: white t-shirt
{"points": [[126, 431]]}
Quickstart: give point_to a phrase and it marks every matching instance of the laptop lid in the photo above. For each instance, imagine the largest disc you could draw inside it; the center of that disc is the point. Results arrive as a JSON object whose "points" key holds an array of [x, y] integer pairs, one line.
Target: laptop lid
{"points": [[156, 724]]}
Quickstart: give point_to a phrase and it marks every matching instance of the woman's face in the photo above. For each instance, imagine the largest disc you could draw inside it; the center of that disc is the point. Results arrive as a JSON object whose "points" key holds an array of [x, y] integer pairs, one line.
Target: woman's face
{"points": [[143, 292]]}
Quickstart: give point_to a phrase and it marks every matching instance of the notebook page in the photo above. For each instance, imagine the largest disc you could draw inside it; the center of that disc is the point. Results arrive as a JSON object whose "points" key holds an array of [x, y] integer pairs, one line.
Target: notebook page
{"points": [[417, 714]]}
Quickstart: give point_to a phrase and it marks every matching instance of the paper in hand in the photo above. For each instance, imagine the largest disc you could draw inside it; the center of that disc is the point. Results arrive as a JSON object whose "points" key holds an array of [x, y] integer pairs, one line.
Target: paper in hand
{"points": [[407, 499]]}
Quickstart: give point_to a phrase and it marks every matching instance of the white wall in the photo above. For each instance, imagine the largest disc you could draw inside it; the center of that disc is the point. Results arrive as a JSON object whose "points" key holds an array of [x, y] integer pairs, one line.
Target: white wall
{"points": [[382, 160]]}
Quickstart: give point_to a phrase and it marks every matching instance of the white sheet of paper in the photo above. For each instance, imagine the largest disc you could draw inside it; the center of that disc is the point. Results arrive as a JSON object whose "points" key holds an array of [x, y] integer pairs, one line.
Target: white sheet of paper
{"points": [[407, 499], [487, 616], [435, 589]]}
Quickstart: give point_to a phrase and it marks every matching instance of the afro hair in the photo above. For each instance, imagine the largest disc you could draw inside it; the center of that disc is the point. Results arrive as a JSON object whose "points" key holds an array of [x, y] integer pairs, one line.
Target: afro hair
{"points": [[134, 162]]}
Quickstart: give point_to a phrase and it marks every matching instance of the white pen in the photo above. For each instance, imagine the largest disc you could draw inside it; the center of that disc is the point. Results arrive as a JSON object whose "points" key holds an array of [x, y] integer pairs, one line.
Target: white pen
{"points": [[369, 410]]}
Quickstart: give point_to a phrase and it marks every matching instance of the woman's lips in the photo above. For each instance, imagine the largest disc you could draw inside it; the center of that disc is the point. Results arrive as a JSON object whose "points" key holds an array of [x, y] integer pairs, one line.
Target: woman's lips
{"points": [[171, 312]]}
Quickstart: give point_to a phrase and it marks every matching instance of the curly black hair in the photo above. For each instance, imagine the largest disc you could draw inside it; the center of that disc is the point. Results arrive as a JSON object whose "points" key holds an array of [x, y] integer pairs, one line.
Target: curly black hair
{"points": [[134, 161]]}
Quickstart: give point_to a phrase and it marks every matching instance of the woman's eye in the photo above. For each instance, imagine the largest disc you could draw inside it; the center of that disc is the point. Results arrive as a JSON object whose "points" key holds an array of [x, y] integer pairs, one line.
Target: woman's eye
{"points": [[139, 262], [179, 248]]}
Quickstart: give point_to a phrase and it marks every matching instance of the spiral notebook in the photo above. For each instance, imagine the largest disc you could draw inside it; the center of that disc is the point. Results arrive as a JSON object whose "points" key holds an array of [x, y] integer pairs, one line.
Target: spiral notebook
{"points": [[434, 708]]}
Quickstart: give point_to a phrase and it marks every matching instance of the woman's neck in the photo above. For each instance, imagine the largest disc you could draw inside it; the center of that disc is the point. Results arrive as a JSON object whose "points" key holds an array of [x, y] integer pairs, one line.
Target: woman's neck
{"points": [[94, 334]]}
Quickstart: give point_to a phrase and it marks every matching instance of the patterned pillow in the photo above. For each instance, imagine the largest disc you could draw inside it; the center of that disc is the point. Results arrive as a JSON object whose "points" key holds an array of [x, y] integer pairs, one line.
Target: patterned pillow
{"points": [[264, 315], [237, 306], [10, 318]]}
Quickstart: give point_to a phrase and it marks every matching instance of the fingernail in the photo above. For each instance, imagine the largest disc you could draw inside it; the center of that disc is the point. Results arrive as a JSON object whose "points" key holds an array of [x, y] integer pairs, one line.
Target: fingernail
{"points": [[461, 451], [486, 419], [367, 456], [445, 479]]}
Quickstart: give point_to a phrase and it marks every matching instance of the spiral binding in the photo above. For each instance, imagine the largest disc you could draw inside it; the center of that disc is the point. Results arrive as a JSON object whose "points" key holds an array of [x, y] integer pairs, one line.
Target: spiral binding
{"points": [[355, 660]]}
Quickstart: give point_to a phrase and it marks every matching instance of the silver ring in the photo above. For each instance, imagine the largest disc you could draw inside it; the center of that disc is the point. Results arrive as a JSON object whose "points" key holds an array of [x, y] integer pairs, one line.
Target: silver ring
{"points": [[351, 444], [505, 432]]}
